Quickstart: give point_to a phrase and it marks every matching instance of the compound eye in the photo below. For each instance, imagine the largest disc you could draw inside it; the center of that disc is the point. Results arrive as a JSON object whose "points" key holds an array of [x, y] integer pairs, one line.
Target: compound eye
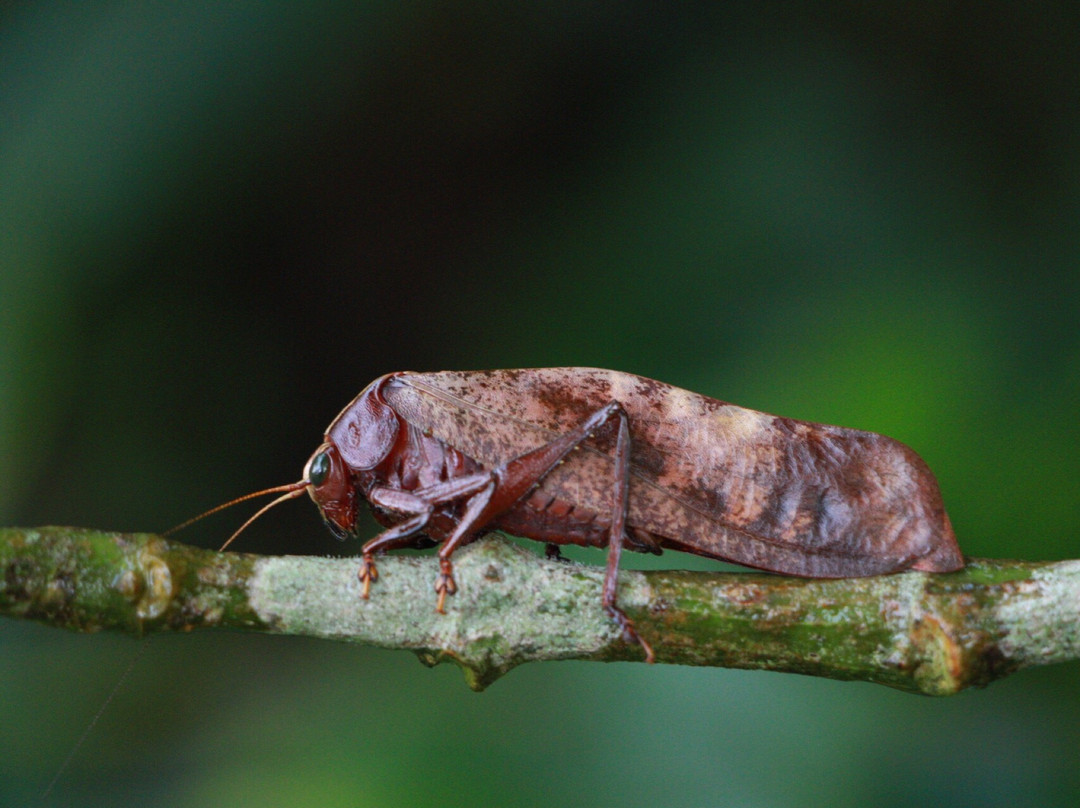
{"points": [[318, 469]]}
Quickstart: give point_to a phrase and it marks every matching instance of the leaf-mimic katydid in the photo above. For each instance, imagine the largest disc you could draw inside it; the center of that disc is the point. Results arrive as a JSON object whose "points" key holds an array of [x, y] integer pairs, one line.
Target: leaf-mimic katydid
{"points": [[603, 458]]}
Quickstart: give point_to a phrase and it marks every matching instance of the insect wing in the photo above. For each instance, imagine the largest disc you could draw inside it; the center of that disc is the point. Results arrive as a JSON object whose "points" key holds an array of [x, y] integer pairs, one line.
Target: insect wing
{"points": [[710, 477]]}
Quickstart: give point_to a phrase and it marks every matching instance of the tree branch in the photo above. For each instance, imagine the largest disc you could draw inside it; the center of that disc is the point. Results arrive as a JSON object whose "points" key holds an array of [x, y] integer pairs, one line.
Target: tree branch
{"points": [[926, 633]]}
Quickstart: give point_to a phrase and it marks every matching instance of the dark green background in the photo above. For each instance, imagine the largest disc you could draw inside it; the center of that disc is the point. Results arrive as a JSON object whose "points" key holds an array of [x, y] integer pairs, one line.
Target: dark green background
{"points": [[218, 222]]}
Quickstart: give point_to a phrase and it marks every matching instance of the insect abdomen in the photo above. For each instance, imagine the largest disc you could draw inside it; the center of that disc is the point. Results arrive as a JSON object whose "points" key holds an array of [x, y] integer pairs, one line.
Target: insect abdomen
{"points": [[543, 517]]}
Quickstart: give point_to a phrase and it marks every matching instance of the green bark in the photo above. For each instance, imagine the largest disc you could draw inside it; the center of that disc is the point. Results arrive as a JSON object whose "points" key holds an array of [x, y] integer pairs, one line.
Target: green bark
{"points": [[926, 633]]}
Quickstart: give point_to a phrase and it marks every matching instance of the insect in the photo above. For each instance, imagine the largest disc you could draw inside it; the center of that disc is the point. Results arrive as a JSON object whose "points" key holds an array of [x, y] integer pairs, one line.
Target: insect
{"points": [[602, 458]]}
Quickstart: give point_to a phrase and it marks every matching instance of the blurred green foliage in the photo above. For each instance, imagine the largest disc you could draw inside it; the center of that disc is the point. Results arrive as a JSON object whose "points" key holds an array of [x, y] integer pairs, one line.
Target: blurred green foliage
{"points": [[219, 222]]}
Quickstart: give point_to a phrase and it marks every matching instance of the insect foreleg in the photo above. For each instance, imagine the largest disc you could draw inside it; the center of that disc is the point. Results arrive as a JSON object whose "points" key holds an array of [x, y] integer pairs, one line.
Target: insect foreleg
{"points": [[398, 536], [418, 505]]}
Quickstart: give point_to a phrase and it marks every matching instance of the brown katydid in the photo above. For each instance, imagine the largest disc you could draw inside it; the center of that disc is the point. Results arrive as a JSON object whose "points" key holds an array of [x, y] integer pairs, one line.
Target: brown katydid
{"points": [[604, 458]]}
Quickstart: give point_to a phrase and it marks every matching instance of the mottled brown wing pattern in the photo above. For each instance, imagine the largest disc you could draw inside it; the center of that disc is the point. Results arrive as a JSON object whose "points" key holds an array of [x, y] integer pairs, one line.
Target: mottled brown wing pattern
{"points": [[709, 477]]}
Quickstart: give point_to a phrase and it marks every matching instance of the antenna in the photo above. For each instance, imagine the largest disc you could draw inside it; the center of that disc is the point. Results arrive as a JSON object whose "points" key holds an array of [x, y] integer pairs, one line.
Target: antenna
{"points": [[292, 490]]}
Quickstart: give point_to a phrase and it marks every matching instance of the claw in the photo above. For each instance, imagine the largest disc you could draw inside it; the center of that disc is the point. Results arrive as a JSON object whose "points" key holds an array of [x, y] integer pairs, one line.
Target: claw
{"points": [[367, 574], [629, 633], [650, 657], [441, 600], [445, 585]]}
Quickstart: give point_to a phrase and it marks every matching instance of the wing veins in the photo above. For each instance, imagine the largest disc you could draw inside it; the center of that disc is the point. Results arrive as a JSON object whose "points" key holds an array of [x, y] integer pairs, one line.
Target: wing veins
{"points": [[452, 399]]}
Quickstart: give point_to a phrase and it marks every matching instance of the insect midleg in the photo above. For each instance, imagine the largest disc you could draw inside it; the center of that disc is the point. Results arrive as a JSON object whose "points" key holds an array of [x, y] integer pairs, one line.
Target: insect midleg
{"points": [[474, 512]]}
